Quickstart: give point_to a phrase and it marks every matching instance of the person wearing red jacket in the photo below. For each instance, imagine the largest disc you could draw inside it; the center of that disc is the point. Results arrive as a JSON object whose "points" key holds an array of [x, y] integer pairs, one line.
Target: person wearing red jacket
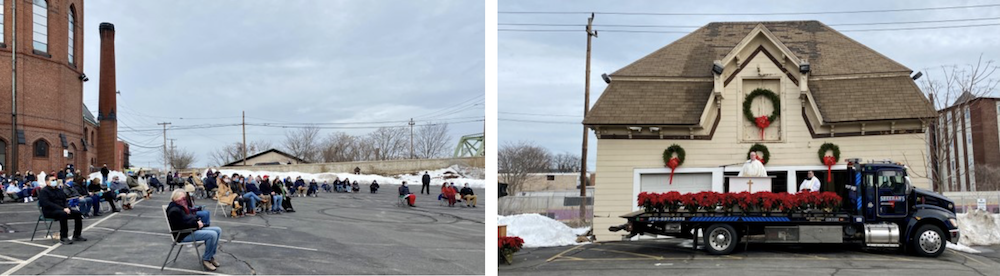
{"points": [[448, 191]]}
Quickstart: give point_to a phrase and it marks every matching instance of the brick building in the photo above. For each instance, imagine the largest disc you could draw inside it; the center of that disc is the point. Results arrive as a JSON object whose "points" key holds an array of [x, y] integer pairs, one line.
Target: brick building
{"points": [[53, 127], [968, 143]]}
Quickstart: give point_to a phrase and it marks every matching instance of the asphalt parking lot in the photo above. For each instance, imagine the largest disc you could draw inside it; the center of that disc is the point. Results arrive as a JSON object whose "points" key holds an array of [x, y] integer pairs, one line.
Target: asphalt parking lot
{"points": [[675, 256], [333, 234]]}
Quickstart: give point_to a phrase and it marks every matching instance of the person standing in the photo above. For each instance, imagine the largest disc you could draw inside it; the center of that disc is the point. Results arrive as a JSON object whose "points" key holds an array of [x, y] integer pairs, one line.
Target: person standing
{"points": [[426, 181], [53, 203], [104, 173], [810, 184]]}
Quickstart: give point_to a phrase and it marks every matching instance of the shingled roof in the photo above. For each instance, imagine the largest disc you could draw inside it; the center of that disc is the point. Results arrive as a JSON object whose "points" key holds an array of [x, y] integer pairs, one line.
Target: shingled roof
{"points": [[646, 102], [844, 99], [868, 99], [828, 51]]}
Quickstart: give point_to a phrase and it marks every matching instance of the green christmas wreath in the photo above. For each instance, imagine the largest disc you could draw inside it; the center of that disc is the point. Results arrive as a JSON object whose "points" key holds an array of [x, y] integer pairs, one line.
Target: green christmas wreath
{"points": [[748, 102], [669, 153]]}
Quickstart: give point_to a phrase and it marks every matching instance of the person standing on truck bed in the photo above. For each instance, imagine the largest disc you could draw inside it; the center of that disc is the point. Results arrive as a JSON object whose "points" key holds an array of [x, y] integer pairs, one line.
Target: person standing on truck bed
{"points": [[810, 184]]}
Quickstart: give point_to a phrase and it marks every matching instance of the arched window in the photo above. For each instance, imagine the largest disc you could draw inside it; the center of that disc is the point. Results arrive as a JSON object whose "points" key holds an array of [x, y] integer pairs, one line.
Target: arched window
{"points": [[86, 135], [41, 148], [40, 28], [72, 34]]}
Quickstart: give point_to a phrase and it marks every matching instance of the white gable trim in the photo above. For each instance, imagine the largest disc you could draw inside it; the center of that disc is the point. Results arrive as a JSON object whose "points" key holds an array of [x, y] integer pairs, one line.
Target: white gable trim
{"points": [[760, 29]]}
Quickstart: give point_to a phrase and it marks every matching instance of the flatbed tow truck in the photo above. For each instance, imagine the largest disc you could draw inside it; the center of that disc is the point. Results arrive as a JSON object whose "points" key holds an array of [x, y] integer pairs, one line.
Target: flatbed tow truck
{"points": [[881, 210]]}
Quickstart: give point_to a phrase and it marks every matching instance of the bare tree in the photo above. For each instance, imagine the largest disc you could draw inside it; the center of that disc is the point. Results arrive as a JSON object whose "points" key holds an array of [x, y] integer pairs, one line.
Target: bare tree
{"points": [[516, 160], [303, 143], [565, 162], [388, 143], [431, 140], [987, 178], [233, 152], [342, 147], [956, 86], [180, 159]]}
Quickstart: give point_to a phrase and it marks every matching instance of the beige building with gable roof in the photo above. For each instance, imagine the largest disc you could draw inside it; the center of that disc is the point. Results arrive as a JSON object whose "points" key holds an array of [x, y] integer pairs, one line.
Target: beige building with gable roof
{"points": [[831, 89]]}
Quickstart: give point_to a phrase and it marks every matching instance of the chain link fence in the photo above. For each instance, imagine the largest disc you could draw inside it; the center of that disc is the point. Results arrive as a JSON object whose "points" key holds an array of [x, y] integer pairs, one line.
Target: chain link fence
{"points": [[562, 206]]}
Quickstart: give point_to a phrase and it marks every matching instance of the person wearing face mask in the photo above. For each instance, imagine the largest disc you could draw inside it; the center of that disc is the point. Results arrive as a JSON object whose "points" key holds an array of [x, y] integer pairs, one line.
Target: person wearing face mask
{"points": [[810, 184], [225, 193], [181, 217], [123, 193], [73, 194], [53, 203], [96, 188]]}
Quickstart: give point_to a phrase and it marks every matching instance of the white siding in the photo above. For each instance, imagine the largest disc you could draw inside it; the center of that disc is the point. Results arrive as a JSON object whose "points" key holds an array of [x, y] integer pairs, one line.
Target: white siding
{"points": [[683, 182]]}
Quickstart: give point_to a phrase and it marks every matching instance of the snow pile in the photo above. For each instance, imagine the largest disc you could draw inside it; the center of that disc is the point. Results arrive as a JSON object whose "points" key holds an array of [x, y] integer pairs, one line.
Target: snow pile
{"points": [[538, 230], [979, 228], [437, 177], [962, 248], [111, 175]]}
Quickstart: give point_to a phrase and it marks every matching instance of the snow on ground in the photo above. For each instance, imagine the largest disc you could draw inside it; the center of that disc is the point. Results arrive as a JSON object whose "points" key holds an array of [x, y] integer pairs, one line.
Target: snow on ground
{"points": [[111, 175], [538, 230], [979, 228], [962, 248], [412, 180]]}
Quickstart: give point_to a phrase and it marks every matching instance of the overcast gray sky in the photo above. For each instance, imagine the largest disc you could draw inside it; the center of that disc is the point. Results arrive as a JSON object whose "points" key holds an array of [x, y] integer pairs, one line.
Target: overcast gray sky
{"points": [[287, 61], [543, 72]]}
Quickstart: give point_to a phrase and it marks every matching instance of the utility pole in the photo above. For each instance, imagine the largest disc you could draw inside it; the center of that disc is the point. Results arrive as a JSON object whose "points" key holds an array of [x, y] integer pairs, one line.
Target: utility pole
{"points": [[244, 138], [411, 138], [591, 33], [173, 150], [164, 124], [12, 167]]}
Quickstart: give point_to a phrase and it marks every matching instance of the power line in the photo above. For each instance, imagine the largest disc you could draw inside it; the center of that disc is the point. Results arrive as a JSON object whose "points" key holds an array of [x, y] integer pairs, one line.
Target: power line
{"points": [[539, 114], [680, 32], [536, 121], [757, 14], [693, 26]]}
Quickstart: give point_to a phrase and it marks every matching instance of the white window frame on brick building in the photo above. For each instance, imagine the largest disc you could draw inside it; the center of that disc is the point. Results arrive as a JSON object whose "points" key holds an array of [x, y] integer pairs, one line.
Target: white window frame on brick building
{"points": [[2, 22], [40, 25]]}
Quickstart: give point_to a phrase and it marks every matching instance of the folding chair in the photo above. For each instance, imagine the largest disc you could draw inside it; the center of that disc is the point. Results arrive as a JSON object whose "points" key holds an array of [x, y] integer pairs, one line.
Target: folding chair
{"points": [[175, 243], [224, 206], [41, 218]]}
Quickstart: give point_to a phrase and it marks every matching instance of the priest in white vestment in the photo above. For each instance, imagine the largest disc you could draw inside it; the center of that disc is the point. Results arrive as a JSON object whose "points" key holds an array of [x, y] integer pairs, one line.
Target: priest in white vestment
{"points": [[753, 167], [810, 184]]}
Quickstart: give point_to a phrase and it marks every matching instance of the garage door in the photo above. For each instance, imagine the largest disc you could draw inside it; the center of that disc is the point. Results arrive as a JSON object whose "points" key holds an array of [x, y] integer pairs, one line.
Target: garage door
{"points": [[683, 182]]}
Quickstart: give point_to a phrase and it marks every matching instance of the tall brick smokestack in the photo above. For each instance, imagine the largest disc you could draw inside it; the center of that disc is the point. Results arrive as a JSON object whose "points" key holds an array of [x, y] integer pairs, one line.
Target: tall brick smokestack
{"points": [[107, 112]]}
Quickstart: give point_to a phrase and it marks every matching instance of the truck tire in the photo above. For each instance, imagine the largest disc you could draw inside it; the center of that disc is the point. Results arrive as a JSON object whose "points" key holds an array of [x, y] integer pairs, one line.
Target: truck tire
{"points": [[928, 241], [720, 239]]}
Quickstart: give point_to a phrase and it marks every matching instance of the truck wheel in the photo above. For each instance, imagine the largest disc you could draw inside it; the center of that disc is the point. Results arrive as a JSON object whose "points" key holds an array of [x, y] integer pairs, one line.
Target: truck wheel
{"points": [[928, 241], [720, 239]]}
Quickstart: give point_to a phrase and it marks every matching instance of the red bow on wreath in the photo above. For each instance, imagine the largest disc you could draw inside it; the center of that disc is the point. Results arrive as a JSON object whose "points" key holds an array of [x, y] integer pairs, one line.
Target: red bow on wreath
{"points": [[829, 161], [762, 123], [673, 163]]}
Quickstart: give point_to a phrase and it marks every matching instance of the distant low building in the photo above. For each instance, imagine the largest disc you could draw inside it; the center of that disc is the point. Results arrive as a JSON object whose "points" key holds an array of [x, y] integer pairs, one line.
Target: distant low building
{"points": [[554, 182], [268, 157], [968, 142]]}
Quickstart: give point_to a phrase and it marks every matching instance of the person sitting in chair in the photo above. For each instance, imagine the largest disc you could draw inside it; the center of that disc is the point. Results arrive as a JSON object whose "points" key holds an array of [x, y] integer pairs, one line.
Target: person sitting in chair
{"points": [[374, 187], [53, 203], [404, 193], [326, 186], [468, 196], [181, 217], [355, 187]]}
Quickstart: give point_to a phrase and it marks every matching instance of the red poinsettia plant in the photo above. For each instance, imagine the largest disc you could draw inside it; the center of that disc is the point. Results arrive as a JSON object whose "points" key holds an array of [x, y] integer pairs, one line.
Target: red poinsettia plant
{"points": [[762, 201], [508, 246]]}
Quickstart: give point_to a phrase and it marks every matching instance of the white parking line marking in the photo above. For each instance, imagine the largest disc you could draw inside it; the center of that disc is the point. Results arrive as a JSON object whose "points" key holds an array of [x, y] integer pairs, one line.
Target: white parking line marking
{"points": [[53, 247], [138, 265], [9, 258], [232, 241], [25, 242]]}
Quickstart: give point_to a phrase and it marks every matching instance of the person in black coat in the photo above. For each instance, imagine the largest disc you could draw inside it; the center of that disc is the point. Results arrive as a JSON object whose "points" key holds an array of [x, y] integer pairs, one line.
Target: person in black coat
{"points": [[104, 173], [96, 187], [180, 217], [53, 203], [374, 187], [426, 180]]}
